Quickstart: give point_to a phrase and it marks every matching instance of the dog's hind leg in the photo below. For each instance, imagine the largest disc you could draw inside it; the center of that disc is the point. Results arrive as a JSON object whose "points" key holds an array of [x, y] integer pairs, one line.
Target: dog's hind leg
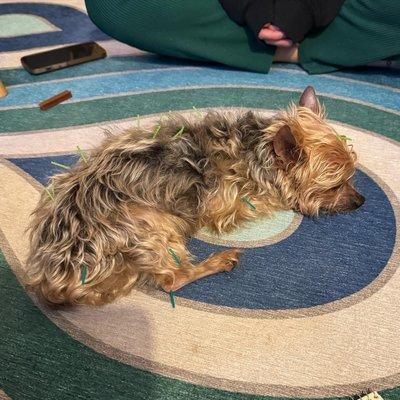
{"points": [[161, 256], [188, 272]]}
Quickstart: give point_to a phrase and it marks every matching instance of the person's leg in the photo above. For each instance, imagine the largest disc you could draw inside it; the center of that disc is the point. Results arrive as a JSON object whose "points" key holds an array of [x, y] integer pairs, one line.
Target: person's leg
{"points": [[364, 31], [194, 29]]}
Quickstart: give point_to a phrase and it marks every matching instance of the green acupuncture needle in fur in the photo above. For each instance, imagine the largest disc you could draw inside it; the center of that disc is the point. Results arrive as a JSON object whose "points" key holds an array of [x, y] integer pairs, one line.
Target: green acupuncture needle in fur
{"points": [[246, 200], [156, 131], [82, 154], [83, 273], [174, 256], [343, 138], [178, 263], [179, 133], [50, 194], [159, 126], [138, 120], [172, 298], [61, 165], [198, 113]]}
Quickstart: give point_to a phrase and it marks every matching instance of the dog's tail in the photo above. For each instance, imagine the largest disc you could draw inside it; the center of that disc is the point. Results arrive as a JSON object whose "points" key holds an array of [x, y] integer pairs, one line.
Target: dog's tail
{"points": [[76, 240]]}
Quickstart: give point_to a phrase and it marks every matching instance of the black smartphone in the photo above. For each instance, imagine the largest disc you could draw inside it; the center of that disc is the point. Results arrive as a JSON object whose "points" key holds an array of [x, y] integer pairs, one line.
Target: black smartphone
{"points": [[62, 57]]}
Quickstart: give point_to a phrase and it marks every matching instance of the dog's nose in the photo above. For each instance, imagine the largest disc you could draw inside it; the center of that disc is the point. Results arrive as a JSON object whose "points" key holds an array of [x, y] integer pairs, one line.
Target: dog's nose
{"points": [[357, 200]]}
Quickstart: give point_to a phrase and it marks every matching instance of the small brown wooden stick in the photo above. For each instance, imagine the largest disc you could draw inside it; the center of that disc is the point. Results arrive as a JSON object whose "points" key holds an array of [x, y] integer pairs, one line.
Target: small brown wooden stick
{"points": [[53, 101]]}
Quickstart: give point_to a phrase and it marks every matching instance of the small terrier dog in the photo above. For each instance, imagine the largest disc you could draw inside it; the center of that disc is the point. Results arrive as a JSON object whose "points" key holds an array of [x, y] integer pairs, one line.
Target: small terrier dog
{"points": [[123, 217]]}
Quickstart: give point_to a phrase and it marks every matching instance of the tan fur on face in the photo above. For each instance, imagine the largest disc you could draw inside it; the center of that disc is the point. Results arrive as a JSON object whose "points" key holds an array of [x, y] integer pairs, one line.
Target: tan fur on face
{"points": [[321, 179], [126, 214]]}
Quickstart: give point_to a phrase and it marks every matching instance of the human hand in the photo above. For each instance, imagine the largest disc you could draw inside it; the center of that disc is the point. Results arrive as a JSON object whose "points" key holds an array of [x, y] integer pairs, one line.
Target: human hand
{"points": [[272, 35]]}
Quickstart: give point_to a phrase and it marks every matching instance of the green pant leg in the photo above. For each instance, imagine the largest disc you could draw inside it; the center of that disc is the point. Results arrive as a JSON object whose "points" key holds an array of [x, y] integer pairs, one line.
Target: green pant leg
{"points": [[194, 29], [364, 31]]}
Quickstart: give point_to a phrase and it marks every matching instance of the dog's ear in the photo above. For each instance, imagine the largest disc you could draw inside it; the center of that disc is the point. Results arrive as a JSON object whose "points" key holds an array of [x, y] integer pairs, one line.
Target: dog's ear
{"points": [[285, 146], [309, 99]]}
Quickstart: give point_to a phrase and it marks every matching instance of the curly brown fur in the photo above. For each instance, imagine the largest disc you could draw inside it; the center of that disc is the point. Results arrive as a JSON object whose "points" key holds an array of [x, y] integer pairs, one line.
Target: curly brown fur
{"points": [[119, 214]]}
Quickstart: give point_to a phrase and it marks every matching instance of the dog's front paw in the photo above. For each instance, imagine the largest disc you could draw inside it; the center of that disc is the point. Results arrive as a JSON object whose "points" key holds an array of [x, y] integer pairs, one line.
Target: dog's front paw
{"points": [[229, 259]]}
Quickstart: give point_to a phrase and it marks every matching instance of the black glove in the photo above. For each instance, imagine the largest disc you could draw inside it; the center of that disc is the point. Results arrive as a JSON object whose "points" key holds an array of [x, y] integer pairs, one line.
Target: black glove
{"points": [[296, 18]]}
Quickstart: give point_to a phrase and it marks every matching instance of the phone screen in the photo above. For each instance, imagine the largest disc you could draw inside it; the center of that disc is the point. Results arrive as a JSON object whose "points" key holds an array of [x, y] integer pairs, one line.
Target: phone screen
{"points": [[69, 55], [64, 54]]}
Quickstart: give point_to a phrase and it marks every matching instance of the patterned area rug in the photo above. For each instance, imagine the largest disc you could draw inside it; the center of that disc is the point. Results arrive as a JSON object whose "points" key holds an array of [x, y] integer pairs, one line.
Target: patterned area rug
{"points": [[311, 312]]}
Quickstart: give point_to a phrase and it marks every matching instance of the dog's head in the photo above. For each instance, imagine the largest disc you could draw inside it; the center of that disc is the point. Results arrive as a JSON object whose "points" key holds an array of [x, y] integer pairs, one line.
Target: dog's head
{"points": [[315, 164]]}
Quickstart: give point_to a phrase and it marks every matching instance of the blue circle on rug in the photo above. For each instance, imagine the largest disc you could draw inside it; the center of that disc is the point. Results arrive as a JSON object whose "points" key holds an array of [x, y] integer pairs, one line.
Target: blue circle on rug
{"points": [[324, 260]]}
